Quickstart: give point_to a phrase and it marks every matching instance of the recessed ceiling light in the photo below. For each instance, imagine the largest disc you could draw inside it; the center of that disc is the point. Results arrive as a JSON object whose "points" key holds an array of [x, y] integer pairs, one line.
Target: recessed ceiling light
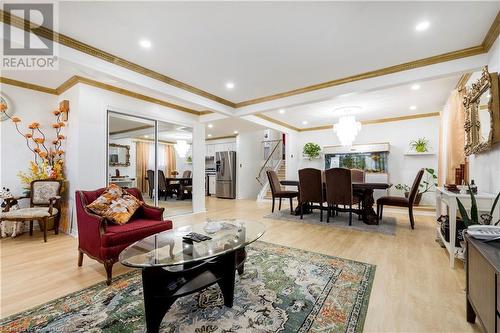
{"points": [[145, 43], [424, 25], [416, 86], [281, 111], [146, 136], [209, 135], [229, 85], [235, 132], [413, 107], [304, 122], [210, 125]]}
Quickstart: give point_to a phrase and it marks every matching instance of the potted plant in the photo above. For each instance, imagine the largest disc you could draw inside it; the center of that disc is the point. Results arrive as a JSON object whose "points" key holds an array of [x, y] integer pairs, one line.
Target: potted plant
{"points": [[420, 145], [311, 150], [425, 186], [486, 218]]}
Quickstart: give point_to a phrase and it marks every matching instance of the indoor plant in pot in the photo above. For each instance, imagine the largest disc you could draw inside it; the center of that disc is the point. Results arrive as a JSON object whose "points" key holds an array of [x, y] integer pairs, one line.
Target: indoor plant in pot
{"points": [[425, 186], [420, 145], [311, 150]]}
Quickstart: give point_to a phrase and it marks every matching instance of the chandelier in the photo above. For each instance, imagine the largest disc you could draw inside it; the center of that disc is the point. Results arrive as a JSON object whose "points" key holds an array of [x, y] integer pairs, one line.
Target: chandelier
{"points": [[347, 128], [181, 147]]}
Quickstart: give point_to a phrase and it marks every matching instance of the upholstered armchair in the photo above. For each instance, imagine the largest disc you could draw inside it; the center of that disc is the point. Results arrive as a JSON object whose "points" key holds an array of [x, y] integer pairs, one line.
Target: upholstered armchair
{"points": [[104, 241], [45, 198]]}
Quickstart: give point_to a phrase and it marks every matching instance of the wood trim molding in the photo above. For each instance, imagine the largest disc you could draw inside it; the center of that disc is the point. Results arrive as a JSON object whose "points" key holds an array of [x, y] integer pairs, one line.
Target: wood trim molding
{"points": [[463, 80], [20, 23], [103, 55], [27, 85], [78, 79], [277, 122], [469, 52], [221, 137], [131, 129], [492, 34], [364, 122]]}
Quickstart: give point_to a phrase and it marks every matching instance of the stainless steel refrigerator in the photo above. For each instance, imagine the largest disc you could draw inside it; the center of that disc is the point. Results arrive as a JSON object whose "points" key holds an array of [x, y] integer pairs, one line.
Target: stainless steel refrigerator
{"points": [[225, 166]]}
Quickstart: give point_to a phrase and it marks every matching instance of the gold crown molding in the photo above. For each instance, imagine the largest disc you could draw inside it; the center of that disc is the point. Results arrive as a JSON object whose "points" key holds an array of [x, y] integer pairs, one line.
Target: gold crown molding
{"points": [[78, 79], [18, 22], [131, 129], [95, 52], [462, 81], [27, 85], [492, 34], [275, 121], [468, 52], [221, 137], [364, 122]]}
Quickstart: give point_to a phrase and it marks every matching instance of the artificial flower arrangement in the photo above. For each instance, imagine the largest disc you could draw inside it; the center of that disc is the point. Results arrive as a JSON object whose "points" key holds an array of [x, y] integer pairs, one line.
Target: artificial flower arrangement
{"points": [[48, 156]]}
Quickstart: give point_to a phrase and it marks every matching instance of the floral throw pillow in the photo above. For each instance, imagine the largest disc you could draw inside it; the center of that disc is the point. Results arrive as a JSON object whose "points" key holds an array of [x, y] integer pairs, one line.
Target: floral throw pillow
{"points": [[101, 205], [121, 209], [115, 204]]}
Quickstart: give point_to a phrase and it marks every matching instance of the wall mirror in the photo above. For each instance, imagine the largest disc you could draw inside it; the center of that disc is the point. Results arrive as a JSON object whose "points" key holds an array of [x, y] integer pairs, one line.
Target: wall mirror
{"points": [[482, 114], [119, 155]]}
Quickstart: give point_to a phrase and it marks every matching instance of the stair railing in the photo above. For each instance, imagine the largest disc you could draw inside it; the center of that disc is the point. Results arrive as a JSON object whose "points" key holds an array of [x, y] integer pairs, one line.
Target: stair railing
{"points": [[273, 160]]}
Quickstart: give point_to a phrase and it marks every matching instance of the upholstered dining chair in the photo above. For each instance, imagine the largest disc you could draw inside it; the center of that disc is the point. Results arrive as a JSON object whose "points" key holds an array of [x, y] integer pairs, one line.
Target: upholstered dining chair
{"points": [[339, 191], [311, 190], [402, 201], [278, 192], [151, 182], [45, 204]]}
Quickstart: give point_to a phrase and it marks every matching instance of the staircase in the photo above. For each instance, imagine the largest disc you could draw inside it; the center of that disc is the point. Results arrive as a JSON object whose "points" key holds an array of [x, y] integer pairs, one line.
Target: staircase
{"points": [[281, 176]]}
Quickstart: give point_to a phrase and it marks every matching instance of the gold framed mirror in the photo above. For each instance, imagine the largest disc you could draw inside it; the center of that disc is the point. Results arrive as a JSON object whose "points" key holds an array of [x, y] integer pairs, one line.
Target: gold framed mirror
{"points": [[482, 114], [119, 155]]}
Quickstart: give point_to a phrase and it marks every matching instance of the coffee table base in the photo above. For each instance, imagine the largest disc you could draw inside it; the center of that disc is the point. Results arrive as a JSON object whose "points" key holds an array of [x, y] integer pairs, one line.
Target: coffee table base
{"points": [[162, 287]]}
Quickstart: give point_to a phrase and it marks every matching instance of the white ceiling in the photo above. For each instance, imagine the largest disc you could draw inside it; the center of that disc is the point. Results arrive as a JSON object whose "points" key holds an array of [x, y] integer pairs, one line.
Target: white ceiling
{"points": [[66, 70], [271, 47], [227, 126], [385, 103]]}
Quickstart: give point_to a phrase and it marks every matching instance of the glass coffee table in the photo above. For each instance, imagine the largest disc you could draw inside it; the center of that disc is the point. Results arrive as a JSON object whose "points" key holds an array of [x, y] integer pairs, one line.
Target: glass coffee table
{"points": [[173, 267]]}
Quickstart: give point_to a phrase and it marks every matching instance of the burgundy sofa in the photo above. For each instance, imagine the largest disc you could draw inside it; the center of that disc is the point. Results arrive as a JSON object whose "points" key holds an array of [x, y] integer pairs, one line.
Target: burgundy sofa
{"points": [[104, 241]]}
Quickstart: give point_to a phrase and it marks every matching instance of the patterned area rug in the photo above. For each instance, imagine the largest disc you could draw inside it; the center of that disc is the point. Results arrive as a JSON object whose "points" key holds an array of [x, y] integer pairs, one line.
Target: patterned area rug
{"points": [[282, 290], [386, 226]]}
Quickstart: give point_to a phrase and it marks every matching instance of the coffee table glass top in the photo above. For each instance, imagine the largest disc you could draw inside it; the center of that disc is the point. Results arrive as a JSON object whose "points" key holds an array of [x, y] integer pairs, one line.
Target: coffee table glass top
{"points": [[169, 249]]}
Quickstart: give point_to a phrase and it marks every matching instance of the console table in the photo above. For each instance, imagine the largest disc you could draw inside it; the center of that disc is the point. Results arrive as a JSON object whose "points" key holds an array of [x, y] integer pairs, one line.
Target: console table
{"points": [[484, 203], [483, 283]]}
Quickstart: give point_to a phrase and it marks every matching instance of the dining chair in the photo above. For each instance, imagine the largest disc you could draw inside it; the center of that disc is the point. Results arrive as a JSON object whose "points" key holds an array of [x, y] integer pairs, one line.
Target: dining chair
{"points": [[402, 201], [278, 192], [358, 176], [311, 190], [339, 191], [162, 185], [185, 186], [151, 182]]}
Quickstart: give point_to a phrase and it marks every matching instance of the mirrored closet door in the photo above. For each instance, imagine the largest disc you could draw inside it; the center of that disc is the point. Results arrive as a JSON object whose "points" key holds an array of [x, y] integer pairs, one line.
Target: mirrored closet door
{"points": [[153, 156]]}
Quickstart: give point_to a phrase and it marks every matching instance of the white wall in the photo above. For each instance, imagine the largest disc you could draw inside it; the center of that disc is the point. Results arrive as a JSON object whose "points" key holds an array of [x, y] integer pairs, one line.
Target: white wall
{"points": [[402, 169], [93, 103], [30, 106], [485, 167], [86, 135]]}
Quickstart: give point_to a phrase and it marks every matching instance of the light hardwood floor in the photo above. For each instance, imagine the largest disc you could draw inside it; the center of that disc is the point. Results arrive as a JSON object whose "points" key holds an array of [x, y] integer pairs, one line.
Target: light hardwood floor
{"points": [[414, 288]]}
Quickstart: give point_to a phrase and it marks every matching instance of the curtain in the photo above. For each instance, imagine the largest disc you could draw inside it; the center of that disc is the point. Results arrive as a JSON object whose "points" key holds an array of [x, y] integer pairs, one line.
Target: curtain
{"points": [[141, 165], [452, 137], [171, 163]]}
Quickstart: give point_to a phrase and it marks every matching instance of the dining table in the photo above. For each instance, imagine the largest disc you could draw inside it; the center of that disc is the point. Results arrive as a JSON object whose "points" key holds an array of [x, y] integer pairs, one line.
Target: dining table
{"points": [[365, 189]]}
